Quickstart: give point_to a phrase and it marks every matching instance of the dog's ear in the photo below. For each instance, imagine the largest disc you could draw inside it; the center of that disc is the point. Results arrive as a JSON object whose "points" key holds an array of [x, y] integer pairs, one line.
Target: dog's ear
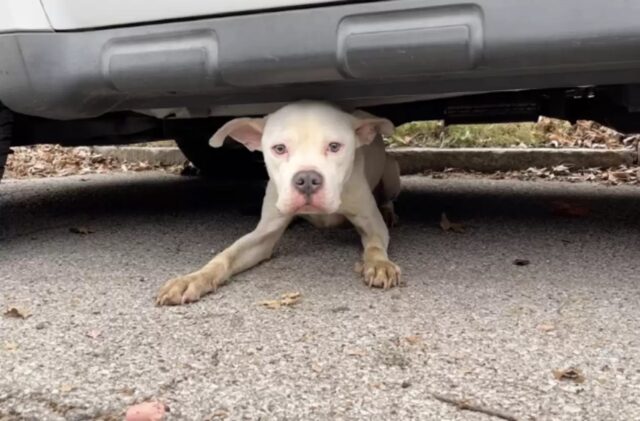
{"points": [[367, 126], [247, 131]]}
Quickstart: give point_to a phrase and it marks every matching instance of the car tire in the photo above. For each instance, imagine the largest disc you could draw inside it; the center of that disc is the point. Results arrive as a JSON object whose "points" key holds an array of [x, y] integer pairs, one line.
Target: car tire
{"points": [[232, 161], [6, 133]]}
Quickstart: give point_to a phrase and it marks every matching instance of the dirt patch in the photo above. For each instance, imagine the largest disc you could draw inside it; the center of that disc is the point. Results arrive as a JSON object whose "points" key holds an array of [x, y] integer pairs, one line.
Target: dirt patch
{"points": [[611, 177], [57, 161]]}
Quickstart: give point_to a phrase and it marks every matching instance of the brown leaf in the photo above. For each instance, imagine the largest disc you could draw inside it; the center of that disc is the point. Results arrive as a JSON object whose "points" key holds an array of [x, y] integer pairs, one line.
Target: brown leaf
{"points": [[127, 391], [219, 414], [620, 175], [288, 299], [81, 230], [447, 225], [272, 304], [317, 368], [413, 339], [17, 313], [560, 170], [572, 374], [546, 327], [356, 352], [66, 388], [10, 346]]}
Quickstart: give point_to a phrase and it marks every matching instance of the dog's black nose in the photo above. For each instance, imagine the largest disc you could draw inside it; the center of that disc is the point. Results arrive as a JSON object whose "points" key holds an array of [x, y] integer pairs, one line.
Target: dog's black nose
{"points": [[307, 182]]}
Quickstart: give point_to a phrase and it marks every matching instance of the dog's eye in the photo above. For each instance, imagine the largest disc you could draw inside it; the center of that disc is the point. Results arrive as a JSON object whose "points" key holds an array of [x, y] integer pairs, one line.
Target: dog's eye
{"points": [[279, 149], [334, 147]]}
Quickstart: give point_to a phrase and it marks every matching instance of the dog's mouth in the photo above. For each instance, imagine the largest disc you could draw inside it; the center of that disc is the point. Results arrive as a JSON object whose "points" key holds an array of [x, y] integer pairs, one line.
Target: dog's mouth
{"points": [[294, 203], [309, 204], [304, 205], [309, 209]]}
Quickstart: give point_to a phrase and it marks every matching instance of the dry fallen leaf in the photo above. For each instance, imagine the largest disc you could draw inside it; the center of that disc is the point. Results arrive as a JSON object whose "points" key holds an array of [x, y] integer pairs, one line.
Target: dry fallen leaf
{"points": [[17, 313], [572, 374], [560, 170], [356, 352], [413, 339], [81, 230], [317, 368], [10, 346], [127, 391], [219, 414], [272, 304], [546, 327], [288, 299], [147, 411], [66, 388], [620, 175], [447, 225]]}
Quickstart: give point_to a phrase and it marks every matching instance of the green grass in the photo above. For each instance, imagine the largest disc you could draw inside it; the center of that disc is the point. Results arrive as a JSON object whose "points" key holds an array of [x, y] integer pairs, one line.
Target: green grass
{"points": [[157, 143], [435, 134]]}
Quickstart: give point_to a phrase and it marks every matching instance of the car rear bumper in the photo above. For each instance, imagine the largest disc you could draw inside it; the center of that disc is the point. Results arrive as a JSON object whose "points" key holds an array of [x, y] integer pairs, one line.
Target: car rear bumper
{"points": [[373, 52]]}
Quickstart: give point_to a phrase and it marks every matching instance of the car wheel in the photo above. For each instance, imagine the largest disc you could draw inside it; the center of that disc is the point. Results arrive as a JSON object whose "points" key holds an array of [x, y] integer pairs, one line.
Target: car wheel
{"points": [[230, 161], [6, 131]]}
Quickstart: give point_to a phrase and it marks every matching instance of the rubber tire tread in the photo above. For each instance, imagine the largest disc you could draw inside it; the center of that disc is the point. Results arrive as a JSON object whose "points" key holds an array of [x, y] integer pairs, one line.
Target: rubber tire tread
{"points": [[6, 134], [229, 162]]}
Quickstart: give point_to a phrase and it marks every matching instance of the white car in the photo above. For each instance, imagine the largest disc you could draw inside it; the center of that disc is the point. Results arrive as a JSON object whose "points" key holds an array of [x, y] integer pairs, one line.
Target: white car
{"points": [[117, 71]]}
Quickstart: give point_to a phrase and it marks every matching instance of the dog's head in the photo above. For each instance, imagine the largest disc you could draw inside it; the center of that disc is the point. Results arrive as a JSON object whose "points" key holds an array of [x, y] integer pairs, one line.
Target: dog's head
{"points": [[309, 149]]}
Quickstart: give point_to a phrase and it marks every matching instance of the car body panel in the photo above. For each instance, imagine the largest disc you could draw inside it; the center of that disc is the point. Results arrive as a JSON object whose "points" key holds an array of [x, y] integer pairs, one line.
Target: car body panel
{"points": [[82, 14], [22, 15], [353, 54]]}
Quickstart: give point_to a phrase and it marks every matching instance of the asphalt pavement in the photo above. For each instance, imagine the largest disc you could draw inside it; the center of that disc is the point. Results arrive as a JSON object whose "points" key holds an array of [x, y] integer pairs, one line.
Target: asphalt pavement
{"points": [[554, 337]]}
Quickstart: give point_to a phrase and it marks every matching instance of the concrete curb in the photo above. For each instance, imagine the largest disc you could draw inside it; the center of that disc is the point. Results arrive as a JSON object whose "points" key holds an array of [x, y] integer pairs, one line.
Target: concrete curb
{"points": [[164, 156], [416, 160]]}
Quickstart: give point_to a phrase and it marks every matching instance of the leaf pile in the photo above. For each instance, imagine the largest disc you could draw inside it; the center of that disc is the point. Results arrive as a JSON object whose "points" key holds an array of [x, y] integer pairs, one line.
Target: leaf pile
{"points": [[611, 177], [582, 134], [57, 161]]}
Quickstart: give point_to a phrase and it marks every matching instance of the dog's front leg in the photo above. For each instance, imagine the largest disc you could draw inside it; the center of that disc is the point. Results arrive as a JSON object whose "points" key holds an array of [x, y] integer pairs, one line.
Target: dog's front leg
{"points": [[377, 270], [246, 252]]}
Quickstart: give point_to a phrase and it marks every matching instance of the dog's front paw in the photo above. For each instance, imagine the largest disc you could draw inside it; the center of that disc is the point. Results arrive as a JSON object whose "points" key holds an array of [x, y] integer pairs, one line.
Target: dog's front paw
{"points": [[189, 288], [182, 290], [381, 274]]}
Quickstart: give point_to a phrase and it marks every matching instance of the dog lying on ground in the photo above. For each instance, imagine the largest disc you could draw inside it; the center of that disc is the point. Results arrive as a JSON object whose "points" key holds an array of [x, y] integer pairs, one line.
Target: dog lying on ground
{"points": [[325, 165]]}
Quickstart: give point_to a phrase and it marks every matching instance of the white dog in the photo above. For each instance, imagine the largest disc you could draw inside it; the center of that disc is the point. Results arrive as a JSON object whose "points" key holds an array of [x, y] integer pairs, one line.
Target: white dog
{"points": [[325, 165]]}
